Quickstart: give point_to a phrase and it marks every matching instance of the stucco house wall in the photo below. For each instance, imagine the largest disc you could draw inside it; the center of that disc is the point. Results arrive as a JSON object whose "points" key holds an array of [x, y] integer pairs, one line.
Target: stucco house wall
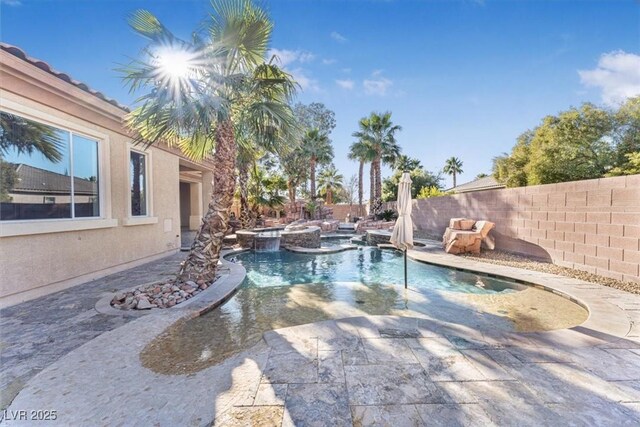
{"points": [[42, 256]]}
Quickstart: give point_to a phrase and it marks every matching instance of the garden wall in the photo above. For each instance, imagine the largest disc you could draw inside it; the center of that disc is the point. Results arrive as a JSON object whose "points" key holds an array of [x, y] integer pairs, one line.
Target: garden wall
{"points": [[340, 211], [591, 225]]}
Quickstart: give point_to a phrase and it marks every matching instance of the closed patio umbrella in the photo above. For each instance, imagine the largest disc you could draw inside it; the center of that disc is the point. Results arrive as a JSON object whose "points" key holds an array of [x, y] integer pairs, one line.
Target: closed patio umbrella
{"points": [[402, 236]]}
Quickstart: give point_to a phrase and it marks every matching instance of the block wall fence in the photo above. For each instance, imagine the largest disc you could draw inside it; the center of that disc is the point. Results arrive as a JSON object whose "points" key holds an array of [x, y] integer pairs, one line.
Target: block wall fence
{"points": [[591, 225]]}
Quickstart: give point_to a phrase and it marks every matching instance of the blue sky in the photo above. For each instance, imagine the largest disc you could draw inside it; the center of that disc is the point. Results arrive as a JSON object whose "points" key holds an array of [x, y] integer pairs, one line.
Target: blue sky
{"points": [[463, 78]]}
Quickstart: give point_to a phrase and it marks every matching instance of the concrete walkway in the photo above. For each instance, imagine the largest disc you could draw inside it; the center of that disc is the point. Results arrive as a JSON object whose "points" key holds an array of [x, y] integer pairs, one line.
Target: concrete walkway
{"points": [[367, 370]]}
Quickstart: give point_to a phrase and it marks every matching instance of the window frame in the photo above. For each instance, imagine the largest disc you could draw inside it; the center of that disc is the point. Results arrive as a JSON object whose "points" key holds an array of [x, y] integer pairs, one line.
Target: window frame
{"points": [[149, 218], [52, 225]]}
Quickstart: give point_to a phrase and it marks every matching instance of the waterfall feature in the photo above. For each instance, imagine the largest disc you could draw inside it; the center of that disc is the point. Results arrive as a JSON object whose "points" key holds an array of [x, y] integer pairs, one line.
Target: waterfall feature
{"points": [[267, 241]]}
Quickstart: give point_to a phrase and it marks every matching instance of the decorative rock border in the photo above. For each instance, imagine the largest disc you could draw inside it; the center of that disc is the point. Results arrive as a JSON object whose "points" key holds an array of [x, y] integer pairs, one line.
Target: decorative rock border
{"points": [[232, 276]]}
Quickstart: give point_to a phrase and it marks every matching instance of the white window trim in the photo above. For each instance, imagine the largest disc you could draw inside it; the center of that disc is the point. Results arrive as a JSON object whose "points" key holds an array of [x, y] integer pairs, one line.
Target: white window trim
{"points": [[42, 226], [149, 218]]}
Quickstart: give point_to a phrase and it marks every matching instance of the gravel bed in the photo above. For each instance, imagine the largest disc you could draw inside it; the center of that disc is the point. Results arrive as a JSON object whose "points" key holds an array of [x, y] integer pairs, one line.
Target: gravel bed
{"points": [[519, 261]]}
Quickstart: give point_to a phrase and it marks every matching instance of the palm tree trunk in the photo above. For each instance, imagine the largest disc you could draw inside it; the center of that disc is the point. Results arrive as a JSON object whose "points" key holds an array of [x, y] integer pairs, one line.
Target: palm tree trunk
{"points": [[202, 261], [360, 189], [312, 178], [243, 182], [378, 184], [372, 186], [292, 195], [329, 197], [454, 178]]}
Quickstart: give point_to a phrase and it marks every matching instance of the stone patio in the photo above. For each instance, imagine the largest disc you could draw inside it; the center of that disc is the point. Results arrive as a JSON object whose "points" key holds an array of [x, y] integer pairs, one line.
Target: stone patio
{"points": [[368, 370], [36, 333]]}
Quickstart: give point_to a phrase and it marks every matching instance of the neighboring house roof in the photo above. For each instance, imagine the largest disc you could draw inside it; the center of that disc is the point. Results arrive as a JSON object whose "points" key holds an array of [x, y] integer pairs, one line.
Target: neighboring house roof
{"points": [[40, 181], [486, 183], [19, 53]]}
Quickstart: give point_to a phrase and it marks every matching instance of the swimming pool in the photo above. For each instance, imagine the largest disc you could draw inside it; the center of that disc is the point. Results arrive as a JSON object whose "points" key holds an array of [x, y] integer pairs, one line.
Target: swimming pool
{"points": [[284, 289], [367, 265]]}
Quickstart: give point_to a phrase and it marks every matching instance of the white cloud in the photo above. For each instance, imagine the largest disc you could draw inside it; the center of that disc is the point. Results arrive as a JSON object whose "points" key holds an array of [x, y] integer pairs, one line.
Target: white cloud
{"points": [[345, 84], [11, 2], [306, 82], [377, 85], [617, 75], [338, 37], [346, 70], [287, 57], [328, 61]]}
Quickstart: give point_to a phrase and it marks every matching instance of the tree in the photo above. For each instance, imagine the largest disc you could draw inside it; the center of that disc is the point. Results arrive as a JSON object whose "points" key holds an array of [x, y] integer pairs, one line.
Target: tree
{"points": [[571, 146], [362, 152], [265, 189], [482, 175], [427, 192], [349, 192], [379, 132], [247, 156], [331, 182], [198, 92], [580, 143], [406, 163], [632, 166], [420, 178], [453, 166], [510, 169], [8, 178], [25, 136], [295, 167], [315, 116], [318, 150]]}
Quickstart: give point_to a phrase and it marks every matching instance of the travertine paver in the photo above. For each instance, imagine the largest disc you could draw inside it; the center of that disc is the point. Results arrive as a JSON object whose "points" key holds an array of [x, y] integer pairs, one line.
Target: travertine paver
{"points": [[36, 333], [369, 370], [287, 380]]}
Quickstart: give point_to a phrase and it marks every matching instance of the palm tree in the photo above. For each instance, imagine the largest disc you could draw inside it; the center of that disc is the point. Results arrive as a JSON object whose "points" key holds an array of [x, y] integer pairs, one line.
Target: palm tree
{"points": [[363, 153], [24, 137], [198, 92], [294, 165], [406, 163], [247, 156], [318, 150], [453, 166], [330, 182], [379, 131]]}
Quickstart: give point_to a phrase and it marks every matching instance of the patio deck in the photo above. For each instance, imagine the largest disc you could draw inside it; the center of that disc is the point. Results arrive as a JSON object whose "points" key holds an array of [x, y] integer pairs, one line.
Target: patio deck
{"points": [[361, 370]]}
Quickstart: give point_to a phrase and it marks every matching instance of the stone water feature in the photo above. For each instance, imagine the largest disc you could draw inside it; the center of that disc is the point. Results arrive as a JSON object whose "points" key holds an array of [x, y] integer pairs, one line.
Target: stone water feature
{"points": [[273, 239]]}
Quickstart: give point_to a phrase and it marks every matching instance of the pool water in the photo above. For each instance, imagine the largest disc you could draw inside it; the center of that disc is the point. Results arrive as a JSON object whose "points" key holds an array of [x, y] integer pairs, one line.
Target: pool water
{"points": [[287, 289], [331, 242], [366, 265]]}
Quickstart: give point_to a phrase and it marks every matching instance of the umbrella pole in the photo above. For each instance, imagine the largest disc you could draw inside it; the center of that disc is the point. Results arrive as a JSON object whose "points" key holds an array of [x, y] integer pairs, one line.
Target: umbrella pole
{"points": [[405, 269]]}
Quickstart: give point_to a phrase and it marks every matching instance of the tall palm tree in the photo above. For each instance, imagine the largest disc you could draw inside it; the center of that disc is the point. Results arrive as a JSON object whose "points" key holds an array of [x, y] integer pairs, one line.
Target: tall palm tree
{"points": [[330, 182], [363, 153], [318, 150], [198, 92], [453, 166], [379, 131]]}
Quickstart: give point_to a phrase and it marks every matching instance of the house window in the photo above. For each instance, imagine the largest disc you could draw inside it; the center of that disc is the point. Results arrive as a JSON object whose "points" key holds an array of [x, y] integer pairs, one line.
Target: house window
{"points": [[139, 184], [46, 172]]}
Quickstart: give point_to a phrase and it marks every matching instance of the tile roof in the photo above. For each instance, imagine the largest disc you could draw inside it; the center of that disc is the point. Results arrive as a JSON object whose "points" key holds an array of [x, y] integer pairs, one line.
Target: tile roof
{"points": [[41, 181], [486, 183], [19, 53]]}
